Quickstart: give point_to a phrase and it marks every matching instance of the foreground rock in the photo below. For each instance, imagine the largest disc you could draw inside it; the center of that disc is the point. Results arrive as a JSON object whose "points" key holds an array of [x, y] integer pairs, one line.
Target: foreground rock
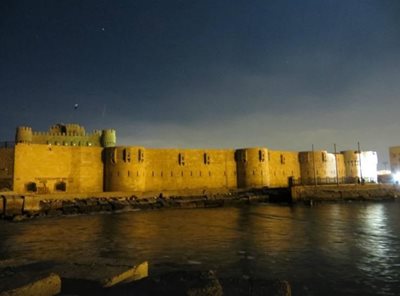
{"points": [[94, 278], [18, 277], [202, 283]]}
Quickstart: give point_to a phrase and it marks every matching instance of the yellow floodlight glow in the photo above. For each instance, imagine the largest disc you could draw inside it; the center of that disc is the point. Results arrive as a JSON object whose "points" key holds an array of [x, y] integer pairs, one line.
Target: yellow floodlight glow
{"points": [[396, 177]]}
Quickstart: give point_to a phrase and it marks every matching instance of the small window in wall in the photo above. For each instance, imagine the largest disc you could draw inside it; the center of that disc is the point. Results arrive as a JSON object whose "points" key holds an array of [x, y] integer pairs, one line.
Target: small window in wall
{"points": [[140, 155], [191, 173], [261, 155], [152, 174], [129, 173], [126, 155], [254, 172], [206, 158], [161, 174], [61, 186], [182, 173], [31, 187], [172, 174], [209, 174], [283, 159], [200, 174], [181, 159], [244, 156], [323, 157], [114, 155], [241, 155]]}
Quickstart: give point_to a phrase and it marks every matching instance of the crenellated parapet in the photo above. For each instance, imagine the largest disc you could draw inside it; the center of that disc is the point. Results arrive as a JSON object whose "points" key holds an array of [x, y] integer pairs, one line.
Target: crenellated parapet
{"points": [[108, 138], [66, 135], [24, 134]]}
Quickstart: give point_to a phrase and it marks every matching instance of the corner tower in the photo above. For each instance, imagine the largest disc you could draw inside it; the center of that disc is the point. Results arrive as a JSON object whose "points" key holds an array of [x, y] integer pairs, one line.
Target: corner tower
{"points": [[108, 138], [23, 134]]}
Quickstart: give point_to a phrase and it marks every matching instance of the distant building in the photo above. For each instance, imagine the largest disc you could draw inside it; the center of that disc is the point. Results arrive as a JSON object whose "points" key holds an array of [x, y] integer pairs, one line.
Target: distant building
{"points": [[67, 159], [394, 157]]}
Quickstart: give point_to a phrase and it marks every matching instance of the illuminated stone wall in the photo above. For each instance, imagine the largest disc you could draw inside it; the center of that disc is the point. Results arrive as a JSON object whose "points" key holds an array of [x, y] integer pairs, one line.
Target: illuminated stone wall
{"points": [[67, 159], [47, 169], [320, 165], [143, 169], [282, 166], [6, 168]]}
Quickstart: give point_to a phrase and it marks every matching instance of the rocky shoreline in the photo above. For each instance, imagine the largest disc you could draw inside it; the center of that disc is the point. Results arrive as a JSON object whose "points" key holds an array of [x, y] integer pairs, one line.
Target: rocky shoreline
{"points": [[19, 207], [56, 207]]}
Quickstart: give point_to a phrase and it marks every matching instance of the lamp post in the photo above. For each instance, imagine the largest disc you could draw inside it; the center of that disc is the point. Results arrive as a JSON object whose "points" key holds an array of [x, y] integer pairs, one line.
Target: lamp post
{"points": [[313, 159], [336, 165], [359, 161]]}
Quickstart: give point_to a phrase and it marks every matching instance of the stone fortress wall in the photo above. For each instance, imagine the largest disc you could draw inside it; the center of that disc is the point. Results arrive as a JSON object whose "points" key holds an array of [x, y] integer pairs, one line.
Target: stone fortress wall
{"points": [[67, 159]]}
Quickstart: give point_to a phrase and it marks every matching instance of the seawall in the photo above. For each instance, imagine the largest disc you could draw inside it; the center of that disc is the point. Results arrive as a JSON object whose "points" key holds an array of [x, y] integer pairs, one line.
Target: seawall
{"points": [[18, 207], [345, 192]]}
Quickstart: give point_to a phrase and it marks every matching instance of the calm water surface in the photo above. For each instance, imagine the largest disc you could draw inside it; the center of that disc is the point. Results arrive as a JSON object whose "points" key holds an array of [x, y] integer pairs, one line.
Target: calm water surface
{"points": [[327, 249]]}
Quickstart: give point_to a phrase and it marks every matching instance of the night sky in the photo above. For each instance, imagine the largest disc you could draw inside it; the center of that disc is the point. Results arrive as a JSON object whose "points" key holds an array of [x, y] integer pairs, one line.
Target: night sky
{"points": [[280, 74]]}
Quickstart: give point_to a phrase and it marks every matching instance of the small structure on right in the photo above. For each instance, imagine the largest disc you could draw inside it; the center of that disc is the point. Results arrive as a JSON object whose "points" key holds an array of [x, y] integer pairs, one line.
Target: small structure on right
{"points": [[394, 157], [350, 166], [361, 166]]}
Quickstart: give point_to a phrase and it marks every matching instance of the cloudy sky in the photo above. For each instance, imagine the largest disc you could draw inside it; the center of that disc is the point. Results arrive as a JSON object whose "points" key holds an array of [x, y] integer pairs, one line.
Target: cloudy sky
{"points": [[206, 73]]}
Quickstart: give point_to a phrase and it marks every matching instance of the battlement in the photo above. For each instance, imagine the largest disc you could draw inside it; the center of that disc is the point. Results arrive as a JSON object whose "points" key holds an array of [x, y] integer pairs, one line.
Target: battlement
{"points": [[71, 134], [24, 128]]}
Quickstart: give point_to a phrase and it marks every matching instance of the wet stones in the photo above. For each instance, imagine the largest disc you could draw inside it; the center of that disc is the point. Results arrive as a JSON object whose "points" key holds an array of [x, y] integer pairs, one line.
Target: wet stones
{"points": [[78, 278], [13, 205]]}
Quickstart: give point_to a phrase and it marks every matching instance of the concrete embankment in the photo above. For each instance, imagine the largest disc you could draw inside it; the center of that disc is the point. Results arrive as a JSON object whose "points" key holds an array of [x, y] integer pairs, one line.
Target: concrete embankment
{"points": [[345, 192]]}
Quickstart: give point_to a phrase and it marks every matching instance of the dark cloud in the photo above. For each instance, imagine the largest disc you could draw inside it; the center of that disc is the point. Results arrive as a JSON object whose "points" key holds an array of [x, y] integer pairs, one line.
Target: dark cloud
{"points": [[215, 73]]}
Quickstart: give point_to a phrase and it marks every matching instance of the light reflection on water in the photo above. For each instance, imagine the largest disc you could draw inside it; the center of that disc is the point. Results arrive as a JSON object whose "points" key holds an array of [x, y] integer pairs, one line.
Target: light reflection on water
{"points": [[327, 249]]}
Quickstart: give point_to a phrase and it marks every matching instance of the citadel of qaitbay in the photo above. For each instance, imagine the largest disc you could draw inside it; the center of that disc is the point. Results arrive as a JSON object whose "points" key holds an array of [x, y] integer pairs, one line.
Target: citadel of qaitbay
{"points": [[67, 159]]}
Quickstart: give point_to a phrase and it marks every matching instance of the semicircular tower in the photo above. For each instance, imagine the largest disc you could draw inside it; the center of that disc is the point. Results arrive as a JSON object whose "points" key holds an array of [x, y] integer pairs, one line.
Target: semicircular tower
{"points": [[252, 167], [23, 134]]}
